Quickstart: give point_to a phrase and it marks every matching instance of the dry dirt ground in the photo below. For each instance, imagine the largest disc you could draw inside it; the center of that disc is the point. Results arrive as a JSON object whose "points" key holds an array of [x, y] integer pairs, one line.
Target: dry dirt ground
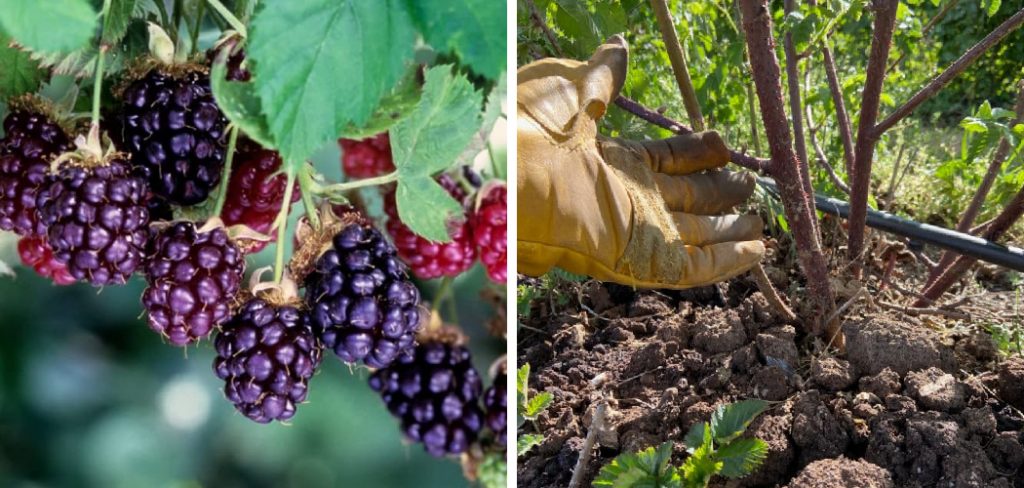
{"points": [[914, 401]]}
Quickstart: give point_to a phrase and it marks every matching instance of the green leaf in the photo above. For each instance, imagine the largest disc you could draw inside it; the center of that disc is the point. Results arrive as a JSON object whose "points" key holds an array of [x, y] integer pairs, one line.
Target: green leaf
{"points": [[741, 457], [523, 384], [241, 105], [525, 442], [473, 29], [729, 421], [425, 207], [115, 23], [536, 405], [321, 65], [492, 473], [700, 467], [993, 7], [393, 107], [20, 74], [646, 469], [434, 134], [49, 25], [695, 437]]}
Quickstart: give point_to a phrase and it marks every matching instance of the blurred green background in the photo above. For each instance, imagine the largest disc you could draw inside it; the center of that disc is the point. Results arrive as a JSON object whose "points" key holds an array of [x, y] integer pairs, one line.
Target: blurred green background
{"points": [[90, 397]]}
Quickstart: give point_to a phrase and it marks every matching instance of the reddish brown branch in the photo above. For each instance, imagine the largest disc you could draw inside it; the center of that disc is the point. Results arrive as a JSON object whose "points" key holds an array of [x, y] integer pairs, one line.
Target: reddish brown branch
{"points": [[750, 162], [974, 208], [864, 152], [842, 116], [793, 82], [678, 60], [1002, 223], [951, 72], [539, 21], [757, 25]]}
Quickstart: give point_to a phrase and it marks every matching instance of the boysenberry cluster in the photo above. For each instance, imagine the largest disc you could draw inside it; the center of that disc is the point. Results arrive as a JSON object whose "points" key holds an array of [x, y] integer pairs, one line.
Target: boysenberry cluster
{"points": [[193, 278], [255, 192], [97, 221], [266, 355], [175, 133], [435, 392], [426, 258], [31, 140], [490, 227], [366, 158], [496, 408], [363, 305], [35, 253]]}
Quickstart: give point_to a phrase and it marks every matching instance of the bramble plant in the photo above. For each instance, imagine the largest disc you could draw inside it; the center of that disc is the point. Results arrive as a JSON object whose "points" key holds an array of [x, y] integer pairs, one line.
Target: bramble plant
{"points": [[204, 116], [529, 409], [715, 448]]}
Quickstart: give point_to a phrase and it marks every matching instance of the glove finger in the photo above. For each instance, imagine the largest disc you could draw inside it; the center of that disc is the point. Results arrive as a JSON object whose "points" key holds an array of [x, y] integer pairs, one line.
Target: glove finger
{"points": [[701, 230], [718, 262], [705, 193], [687, 153]]}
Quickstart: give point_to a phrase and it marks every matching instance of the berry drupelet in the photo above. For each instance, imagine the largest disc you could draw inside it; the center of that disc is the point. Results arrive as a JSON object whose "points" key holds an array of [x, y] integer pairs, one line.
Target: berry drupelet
{"points": [[490, 230], [36, 253], [255, 192]]}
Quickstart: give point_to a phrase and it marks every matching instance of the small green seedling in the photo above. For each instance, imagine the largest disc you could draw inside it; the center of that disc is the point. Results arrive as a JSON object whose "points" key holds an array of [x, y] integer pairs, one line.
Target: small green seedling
{"points": [[529, 409], [715, 448]]}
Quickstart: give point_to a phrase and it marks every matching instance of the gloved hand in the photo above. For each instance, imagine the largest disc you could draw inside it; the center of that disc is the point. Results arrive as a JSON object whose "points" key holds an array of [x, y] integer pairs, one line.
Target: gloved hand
{"points": [[640, 213]]}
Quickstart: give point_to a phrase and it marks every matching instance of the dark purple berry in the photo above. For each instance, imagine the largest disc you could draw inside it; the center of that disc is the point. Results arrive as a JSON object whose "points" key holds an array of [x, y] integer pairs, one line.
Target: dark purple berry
{"points": [[435, 393], [174, 131], [266, 355], [97, 221], [30, 142], [193, 278], [362, 303], [496, 409]]}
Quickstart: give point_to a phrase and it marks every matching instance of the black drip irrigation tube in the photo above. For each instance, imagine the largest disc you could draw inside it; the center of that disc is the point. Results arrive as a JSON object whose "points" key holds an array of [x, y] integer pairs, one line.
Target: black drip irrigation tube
{"points": [[958, 242]]}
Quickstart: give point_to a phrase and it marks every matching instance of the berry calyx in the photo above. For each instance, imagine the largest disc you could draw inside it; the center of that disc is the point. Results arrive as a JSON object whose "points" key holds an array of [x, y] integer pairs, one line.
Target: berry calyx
{"points": [[266, 354], [174, 131], [362, 303], [366, 158], [255, 192], [490, 229], [428, 259], [96, 218], [31, 141], [434, 392], [193, 277], [36, 253]]}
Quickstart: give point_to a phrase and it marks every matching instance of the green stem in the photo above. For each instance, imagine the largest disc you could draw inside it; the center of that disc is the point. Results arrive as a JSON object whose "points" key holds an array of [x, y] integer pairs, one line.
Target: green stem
{"points": [[201, 10], [228, 16], [164, 18], [306, 188], [97, 87], [282, 227], [352, 185], [178, 7], [225, 176], [442, 293]]}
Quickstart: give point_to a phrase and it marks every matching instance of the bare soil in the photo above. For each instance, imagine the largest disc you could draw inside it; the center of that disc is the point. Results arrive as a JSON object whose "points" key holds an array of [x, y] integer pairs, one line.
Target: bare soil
{"points": [[914, 401]]}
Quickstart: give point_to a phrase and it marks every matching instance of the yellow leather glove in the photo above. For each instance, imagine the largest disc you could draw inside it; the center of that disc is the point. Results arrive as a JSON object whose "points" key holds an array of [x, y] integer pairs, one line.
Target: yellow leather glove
{"points": [[641, 213]]}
